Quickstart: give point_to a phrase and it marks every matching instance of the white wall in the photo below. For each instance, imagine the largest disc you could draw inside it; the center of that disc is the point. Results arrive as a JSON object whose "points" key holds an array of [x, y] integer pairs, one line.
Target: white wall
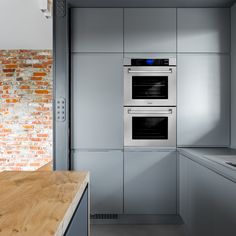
{"points": [[23, 26], [233, 76]]}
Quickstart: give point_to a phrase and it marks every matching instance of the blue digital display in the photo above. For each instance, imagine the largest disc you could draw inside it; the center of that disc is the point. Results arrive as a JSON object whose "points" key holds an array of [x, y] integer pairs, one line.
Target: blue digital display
{"points": [[150, 62]]}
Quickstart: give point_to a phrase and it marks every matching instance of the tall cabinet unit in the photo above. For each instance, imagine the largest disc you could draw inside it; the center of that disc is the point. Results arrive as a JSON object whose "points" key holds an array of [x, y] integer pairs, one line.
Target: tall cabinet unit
{"points": [[150, 30], [149, 175], [203, 100], [97, 110], [97, 103], [203, 77]]}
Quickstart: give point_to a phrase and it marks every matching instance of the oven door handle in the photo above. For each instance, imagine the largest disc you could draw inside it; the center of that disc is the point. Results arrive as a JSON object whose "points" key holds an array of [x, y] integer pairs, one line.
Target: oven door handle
{"points": [[160, 112], [149, 71]]}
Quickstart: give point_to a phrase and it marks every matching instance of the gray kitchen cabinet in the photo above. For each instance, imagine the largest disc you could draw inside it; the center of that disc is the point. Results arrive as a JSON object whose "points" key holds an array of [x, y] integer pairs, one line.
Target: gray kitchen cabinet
{"points": [[224, 201], [207, 200], [203, 117], [150, 30], [79, 222], [97, 30], [203, 30], [196, 195], [106, 178], [183, 188], [150, 182], [97, 101]]}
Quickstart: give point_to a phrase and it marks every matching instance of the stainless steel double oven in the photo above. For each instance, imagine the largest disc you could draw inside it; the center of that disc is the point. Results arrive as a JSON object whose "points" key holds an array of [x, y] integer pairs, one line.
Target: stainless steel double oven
{"points": [[150, 102]]}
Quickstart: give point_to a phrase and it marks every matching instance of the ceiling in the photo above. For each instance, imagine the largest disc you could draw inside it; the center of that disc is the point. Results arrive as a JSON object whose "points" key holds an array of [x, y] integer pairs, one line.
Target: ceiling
{"points": [[154, 3]]}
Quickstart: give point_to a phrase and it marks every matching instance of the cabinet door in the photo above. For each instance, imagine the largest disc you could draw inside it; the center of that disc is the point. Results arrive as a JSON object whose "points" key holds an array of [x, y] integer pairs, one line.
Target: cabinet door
{"points": [[149, 182], [97, 30], [106, 179], [209, 206], [203, 100], [150, 30], [203, 30], [224, 202], [97, 109], [183, 188]]}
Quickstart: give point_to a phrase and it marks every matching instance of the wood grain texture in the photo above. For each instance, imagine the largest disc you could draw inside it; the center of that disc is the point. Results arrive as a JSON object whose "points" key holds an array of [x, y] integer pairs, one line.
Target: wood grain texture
{"points": [[47, 167], [39, 203]]}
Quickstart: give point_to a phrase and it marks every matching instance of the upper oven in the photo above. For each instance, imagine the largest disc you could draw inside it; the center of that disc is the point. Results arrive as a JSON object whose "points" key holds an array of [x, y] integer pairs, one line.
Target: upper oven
{"points": [[150, 82]]}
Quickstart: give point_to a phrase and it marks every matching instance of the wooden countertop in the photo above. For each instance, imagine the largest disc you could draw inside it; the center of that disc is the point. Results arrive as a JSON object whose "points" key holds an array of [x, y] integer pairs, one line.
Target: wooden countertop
{"points": [[47, 167], [39, 203]]}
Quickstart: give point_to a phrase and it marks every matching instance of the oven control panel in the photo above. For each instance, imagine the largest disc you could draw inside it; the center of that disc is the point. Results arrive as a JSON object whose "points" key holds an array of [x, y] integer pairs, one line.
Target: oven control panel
{"points": [[150, 61]]}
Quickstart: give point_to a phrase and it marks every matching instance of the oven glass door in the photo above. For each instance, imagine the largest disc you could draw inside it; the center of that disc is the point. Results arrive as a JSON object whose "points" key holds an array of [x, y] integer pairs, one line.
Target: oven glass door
{"points": [[149, 87], [155, 86], [150, 126]]}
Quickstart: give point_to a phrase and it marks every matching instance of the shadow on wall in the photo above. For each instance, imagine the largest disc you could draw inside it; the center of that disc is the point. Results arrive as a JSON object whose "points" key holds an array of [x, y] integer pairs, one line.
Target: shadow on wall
{"points": [[26, 94]]}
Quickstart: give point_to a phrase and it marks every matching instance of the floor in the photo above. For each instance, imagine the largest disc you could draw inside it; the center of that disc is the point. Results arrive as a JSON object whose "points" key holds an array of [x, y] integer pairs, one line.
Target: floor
{"points": [[137, 230]]}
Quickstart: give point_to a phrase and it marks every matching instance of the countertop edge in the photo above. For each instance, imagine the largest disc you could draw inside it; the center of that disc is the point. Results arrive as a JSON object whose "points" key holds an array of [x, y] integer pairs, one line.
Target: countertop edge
{"points": [[70, 211], [209, 164]]}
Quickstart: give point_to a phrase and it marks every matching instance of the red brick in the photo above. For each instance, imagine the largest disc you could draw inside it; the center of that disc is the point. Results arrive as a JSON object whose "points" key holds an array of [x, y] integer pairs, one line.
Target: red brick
{"points": [[35, 78], [25, 87], [43, 91], [8, 70], [42, 135], [39, 74], [42, 109], [13, 100], [5, 96], [34, 148], [9, 75], [35, 139], [5, 61], [6, 130], [38, 66], [28, 126], [41, 83], [6, 87], [24, 65], [39, 57], [11, 66]]}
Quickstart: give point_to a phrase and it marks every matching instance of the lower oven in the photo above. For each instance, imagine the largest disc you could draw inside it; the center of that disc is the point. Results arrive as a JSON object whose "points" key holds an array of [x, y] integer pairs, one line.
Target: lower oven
{"points": [[150, 126]]}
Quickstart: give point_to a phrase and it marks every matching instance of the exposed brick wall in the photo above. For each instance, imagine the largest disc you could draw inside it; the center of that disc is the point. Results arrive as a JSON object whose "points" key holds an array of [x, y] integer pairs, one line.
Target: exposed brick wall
{"points": [[25, 109]]}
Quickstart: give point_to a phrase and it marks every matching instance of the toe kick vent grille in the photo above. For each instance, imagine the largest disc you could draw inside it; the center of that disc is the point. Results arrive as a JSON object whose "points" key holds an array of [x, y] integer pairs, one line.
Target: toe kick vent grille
{"points": [[104, 216]]}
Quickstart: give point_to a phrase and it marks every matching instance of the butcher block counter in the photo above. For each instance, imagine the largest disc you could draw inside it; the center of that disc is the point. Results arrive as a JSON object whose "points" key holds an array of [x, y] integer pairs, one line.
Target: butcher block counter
{"points": [[44, 203]]}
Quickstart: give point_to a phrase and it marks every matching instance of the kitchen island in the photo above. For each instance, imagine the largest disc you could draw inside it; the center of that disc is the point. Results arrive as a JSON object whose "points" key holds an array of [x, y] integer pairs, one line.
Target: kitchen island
{"points": [[207, 190], [215, 159], [44, 203]]}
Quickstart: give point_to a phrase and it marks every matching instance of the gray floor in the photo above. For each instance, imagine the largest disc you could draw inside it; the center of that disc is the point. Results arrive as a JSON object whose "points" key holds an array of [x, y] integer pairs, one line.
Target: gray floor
{"points": [[137, 230]]}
